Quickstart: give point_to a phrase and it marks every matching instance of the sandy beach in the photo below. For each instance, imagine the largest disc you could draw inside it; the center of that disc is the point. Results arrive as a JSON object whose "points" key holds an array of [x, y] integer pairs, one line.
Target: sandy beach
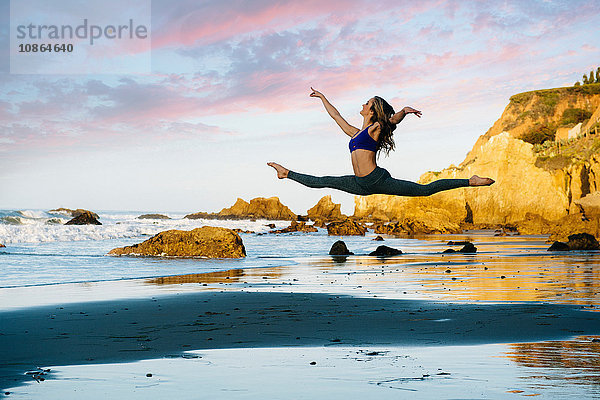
{"points": [[316, 310]]}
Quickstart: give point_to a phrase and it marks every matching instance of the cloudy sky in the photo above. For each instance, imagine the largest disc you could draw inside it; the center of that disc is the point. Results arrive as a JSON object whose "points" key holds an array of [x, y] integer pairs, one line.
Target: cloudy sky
{"points": [[228, 91]]}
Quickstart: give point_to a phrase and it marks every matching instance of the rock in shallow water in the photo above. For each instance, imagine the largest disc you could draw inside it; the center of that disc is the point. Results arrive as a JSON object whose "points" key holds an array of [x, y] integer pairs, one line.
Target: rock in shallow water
{"points": [[559, 246], [296, 227], [582, 241], [339, 249], [207, 241], [578, 241], [385, 251], [85, 218], [153, 216], [467, 248], [72, 213]]}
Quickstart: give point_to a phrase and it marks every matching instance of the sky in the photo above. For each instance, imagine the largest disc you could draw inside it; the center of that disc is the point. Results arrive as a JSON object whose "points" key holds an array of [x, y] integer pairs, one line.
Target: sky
{"points": [[227, 90]]}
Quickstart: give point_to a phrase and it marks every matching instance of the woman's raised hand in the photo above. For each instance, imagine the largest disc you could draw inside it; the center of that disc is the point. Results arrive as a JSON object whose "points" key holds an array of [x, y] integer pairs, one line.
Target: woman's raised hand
{"points": [[410, 110], [316, 93]]}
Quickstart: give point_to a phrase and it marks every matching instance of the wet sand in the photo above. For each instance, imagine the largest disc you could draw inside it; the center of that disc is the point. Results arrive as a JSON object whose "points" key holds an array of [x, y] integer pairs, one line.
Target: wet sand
{"points": [[128, 330], [402, 304]]}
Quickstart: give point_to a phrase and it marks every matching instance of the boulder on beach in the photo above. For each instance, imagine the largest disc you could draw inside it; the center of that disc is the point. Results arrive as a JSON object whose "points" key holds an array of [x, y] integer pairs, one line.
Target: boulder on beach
{"points": [[72, 213], [559, 246], [385, 251], [410, 226], [582, 241], [153, 216], [378, 238], [207, 241], [578, 241], [346, 228], [296, 227], [339, 249], [85, 218]]}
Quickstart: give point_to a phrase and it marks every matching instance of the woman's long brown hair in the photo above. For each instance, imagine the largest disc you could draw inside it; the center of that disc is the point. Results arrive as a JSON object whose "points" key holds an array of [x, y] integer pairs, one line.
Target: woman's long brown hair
{"points": [[383, 112]]}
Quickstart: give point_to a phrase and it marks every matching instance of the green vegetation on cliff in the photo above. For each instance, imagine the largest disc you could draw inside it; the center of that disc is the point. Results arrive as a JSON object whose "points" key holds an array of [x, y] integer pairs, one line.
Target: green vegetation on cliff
{"points": [[554, 155], [542, 103], [538, 114]]}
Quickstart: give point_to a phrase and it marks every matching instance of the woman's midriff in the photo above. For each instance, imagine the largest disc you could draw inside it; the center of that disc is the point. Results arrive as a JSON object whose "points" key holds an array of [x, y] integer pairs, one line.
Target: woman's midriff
{"points": [[363, 162]]}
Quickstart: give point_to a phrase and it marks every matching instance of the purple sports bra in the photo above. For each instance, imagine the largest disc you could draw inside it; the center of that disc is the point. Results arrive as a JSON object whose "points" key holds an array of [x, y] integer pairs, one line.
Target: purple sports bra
{"points": [[363, 140]]}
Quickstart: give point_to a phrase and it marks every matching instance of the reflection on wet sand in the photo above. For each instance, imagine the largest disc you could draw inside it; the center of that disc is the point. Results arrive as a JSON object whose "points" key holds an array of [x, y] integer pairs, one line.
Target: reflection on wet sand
{"points": [[571, 361], [569, 279], [504, 269], [232, 275]]}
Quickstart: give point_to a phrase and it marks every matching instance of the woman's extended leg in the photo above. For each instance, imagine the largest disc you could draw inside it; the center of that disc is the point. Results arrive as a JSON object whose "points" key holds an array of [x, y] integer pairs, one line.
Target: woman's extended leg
{"points": [[346, 183], [400, 187]]}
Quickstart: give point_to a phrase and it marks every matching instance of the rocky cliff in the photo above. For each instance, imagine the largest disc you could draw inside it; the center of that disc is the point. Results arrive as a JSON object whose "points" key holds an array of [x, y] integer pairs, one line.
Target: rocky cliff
{"points": [[548, 180]]}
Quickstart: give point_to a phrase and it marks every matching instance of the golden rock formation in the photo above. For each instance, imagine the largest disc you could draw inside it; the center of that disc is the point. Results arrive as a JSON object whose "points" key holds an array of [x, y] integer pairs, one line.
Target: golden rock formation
{"points": [[207, 241], [346, 228], [410, 226], [260, 207], [326, 210]]}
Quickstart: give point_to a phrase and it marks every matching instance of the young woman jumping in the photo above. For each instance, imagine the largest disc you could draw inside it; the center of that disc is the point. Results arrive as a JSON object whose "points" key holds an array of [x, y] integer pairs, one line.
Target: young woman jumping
{"points": [[379, 123]]}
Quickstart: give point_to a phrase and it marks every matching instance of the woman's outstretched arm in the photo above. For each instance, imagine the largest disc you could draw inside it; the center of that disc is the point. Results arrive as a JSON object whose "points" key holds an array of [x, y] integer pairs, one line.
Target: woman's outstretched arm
{"points": [[335, 114], [399, 116]]}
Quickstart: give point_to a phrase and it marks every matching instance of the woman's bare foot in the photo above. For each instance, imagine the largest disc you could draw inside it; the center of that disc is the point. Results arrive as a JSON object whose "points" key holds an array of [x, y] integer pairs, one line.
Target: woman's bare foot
{"points": [[479, 181], [281, 171]]}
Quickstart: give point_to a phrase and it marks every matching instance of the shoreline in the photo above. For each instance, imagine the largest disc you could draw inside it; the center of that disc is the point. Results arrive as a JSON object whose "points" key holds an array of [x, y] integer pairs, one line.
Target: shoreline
{"points": [[145, 328]]}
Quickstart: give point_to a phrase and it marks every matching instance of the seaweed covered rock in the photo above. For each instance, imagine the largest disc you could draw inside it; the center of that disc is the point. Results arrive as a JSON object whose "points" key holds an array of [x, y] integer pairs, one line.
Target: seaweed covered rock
{"points": [[339, 249], [582, 241], [207, 241], [559, 246], [346, 228], [153, 216], [85, 218], [578, 241]]}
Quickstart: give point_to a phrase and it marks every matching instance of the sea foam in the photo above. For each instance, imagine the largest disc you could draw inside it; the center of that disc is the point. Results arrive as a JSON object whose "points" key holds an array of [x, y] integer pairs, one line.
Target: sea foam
{"points": [[32, 226]]}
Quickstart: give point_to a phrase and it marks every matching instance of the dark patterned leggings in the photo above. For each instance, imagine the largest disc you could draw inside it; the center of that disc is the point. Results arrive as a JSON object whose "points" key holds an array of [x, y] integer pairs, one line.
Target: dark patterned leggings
{"points": [[377, 182]]}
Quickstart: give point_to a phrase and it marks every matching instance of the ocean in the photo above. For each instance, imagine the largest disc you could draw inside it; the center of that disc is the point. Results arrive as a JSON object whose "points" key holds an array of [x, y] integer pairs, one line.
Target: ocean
{"points": [[41, 250]]}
